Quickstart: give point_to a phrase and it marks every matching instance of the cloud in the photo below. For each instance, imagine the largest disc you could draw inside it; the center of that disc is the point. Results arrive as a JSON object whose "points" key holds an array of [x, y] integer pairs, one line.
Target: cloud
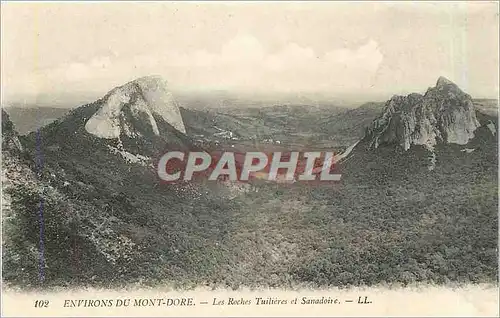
{"points": [[243, 63]]}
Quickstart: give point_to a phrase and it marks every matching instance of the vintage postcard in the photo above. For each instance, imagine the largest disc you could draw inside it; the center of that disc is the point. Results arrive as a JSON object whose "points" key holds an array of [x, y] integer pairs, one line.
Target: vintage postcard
{"points": [[258, 159]]}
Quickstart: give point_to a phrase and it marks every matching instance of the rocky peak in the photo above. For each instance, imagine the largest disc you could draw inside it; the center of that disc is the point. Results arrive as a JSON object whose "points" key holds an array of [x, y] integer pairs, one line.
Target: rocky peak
{"points": [[447, 89], [443, 114], [134, 108], [443, 82]]}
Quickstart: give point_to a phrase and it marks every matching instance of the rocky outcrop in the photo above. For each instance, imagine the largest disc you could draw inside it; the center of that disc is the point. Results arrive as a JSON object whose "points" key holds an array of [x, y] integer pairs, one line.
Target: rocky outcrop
{"points": [[133, 108], [443, 114], [10, 137]]}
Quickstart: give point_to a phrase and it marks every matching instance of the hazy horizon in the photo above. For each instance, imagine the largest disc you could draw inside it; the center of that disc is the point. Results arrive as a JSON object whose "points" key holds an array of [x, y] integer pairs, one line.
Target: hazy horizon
{"points": [[213, 97], [65, 53]]}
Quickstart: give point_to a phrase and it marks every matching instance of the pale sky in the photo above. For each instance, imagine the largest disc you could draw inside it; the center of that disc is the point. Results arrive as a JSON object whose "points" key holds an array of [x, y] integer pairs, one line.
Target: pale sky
{"points": [[332, 48]]}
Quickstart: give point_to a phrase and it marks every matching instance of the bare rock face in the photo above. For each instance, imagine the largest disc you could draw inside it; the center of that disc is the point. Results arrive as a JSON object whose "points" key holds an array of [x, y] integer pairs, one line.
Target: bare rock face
{"points": [[443, 114], [133, 107]]}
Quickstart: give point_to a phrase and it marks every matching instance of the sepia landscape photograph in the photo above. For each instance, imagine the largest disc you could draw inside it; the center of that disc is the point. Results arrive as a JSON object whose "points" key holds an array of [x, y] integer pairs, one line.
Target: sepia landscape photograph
{"points": [[404, 94]]}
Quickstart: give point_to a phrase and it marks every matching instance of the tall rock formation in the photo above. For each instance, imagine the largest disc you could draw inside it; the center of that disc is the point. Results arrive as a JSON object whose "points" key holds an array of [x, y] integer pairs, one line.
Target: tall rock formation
{"points": [[443, 114], [138, 101]]}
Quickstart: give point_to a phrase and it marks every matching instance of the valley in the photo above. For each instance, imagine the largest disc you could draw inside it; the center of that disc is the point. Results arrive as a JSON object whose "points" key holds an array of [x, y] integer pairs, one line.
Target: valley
{"points": [[109, 222]]}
